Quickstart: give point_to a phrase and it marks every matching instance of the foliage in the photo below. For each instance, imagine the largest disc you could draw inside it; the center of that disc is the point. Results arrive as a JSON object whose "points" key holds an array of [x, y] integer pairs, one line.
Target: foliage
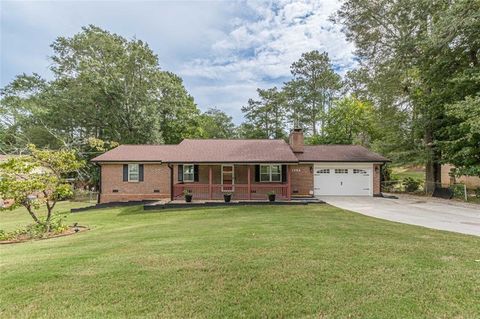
{"points": [[462, 147], [215, 123], [458, 190], [36, 230], [386, 173], [477, 192], [105, 90], [265, 118], [303, 102], [38, 179], [417, 57], [411, 184], [350, 121], [312, 90]]}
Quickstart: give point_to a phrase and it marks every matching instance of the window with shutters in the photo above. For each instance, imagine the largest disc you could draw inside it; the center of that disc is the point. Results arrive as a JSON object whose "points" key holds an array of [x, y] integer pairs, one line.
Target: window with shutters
{"points": [[270, 173], [133, 173], [188, 173]]}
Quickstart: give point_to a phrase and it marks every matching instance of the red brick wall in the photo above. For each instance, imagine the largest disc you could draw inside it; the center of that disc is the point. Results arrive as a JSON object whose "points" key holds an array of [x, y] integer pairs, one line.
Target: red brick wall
{"points": [[156, 177], [302, 179], [376, 179]]}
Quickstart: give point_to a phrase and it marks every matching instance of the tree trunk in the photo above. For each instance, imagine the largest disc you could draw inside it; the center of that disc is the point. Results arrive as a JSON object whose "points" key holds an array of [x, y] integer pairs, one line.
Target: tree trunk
{"points": [[35, 218], [433, 167]]}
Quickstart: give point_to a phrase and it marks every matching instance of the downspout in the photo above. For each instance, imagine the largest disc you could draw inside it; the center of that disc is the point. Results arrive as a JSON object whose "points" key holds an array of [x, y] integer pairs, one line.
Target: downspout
{"points": [[99, 184], [171, 180], [381, 179]]}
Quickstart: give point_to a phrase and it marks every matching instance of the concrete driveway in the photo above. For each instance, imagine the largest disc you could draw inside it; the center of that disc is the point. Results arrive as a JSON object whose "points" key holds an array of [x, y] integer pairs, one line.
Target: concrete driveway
{"points": [[428, 212]]}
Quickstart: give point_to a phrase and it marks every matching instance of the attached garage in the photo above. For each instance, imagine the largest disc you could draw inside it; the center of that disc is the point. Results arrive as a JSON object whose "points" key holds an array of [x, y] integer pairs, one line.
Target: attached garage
{"points": [[343, 179]]}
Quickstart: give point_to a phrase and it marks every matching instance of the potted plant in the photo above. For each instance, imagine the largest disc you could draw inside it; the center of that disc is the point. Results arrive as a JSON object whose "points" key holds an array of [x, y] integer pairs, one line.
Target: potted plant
{"points": [[227, 197], [271, 196], [188, 195]]}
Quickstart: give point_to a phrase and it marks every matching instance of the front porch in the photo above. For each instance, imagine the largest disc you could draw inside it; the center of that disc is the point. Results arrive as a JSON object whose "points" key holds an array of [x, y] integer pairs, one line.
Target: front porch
{"points": [[244, 182]]}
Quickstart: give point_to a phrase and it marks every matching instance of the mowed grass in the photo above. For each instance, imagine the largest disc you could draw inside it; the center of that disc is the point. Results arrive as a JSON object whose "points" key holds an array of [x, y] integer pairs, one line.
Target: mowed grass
{"points": [[312, 261], [12, 220], [402, 172]]}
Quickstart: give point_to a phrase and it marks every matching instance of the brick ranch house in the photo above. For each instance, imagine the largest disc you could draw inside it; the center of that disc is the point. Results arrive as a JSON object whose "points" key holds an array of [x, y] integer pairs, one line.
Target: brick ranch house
{"points": [[248, 169]]}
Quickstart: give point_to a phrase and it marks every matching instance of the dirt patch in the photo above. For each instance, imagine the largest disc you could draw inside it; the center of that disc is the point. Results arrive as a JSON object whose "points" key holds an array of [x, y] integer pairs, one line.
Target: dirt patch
{"points": [[72, 230]]}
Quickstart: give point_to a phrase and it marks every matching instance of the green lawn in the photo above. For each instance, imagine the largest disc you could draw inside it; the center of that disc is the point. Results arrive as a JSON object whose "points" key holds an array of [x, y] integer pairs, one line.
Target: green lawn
{"points": [[402, 172], [279, 261]]}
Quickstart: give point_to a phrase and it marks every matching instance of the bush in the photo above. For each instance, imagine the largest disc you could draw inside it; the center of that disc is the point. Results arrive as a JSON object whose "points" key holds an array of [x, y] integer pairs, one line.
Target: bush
{"points": [[410, 184], [458, 191], [36, 230], [477, 192], [386, 173], [3, 235]]}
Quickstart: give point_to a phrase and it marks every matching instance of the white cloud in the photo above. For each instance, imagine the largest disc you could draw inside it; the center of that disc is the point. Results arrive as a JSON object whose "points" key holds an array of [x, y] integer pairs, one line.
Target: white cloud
{"points": [[223, 50], [260, 50]]}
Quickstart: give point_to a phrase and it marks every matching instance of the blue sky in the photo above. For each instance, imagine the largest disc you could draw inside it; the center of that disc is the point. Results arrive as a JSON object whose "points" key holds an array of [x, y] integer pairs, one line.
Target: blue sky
{"points": [[223, 50]]}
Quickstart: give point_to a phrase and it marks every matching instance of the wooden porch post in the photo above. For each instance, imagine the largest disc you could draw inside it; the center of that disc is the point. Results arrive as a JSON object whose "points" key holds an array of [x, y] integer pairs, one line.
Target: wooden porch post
{"points": [[249, 188], [210, 178], [289, 183]]}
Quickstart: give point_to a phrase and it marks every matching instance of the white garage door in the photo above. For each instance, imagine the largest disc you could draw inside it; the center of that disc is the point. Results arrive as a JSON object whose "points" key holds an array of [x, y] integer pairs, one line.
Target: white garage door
{"points": [[343, 180]]}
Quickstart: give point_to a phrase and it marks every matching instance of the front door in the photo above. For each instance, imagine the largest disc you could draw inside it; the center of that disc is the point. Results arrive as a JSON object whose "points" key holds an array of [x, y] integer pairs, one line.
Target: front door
{"points": [[228, 175]]}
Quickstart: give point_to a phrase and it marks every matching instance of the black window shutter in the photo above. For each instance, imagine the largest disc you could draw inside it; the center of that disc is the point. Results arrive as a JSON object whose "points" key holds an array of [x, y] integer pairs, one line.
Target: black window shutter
{"points": [[140, 172], [125, 172], [284, 173], [257, 173], [180, 173], [195, 173]]}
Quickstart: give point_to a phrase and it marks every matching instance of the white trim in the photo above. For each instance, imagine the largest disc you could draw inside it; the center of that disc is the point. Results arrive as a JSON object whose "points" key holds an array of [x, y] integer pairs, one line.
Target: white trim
{"points": [[270, 173], [193, 173], [138, 172], [233, 176]]}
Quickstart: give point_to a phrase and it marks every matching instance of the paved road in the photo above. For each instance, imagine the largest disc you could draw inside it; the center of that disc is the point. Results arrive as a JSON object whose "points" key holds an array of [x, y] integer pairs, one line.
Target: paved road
{"points": [[427, 212]]}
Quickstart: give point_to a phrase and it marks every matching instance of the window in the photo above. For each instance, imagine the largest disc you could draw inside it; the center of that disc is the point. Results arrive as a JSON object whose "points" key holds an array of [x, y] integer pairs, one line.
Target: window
{"points": [[133, 173], [359, 171], [270, 173], [341, 171], [276, 171], [188, 175], [323, 171]]}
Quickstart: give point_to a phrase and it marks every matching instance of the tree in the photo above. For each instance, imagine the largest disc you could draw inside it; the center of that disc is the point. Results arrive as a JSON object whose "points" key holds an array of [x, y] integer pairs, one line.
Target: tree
{"points": [[38, 179], [266, 117], [463, 147], [413, 51], [105, 88], [312, 89], [215, 123], [21, 101], [350, 121]]}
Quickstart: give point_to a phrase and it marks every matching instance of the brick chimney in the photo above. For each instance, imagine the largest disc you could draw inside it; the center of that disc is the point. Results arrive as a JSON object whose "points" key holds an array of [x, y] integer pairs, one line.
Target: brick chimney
{"points": [[296, 140]]}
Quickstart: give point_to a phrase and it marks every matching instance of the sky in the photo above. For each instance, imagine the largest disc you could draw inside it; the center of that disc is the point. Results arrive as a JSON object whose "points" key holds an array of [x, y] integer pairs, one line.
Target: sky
{"points": [[223, 50]]}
